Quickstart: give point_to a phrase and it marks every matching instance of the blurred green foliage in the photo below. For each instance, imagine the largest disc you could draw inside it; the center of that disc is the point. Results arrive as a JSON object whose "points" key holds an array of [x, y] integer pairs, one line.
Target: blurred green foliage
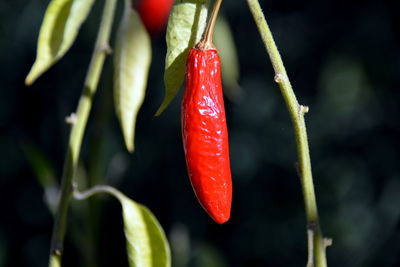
{"points": [[343, 60]]}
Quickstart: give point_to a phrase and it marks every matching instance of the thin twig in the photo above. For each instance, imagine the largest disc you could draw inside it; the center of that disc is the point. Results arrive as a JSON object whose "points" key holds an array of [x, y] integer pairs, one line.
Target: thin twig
{"points": [[296, 112]]}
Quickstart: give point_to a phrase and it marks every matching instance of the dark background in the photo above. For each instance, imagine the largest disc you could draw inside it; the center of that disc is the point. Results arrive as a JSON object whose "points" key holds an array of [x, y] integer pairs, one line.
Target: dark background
{"points": [[343, 58]]}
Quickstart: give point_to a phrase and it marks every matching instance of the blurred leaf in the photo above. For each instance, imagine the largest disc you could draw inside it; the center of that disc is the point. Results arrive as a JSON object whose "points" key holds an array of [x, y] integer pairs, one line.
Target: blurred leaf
{"points": [[207, 255], [223, 40], [343, 87], [147, 245], [59, 29], [40, 164], [131, 67], [44, 173], [180, 245], [185, 27], [346, 101]]}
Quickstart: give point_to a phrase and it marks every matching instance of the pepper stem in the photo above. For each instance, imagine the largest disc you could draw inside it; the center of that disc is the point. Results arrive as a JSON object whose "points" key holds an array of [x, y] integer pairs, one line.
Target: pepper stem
{"points": [[206, 41]]}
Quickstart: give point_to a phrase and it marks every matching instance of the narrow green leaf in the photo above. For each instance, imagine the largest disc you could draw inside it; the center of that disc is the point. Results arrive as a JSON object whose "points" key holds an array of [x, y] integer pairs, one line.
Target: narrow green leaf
{"points": [[185, 26], [59, 29], [131, 67], [223, 40]]}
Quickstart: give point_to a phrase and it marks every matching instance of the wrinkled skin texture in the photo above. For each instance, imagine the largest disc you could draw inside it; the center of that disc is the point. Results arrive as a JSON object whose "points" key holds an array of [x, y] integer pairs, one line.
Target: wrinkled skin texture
{"points": [[205, 135]]}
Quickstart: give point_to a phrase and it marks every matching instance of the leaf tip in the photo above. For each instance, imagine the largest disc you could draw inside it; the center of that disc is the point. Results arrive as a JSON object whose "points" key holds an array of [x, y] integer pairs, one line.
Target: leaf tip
{"points": [[130, 148], [129, 144], [128, 136], [36, 71], [159, 111], [29, 80], [167, 100]]}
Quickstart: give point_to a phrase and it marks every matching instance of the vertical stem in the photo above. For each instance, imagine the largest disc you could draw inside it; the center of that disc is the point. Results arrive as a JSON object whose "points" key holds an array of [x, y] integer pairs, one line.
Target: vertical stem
{"points": [[206, 41], [297, 116], [78, 122], [208, 33]]}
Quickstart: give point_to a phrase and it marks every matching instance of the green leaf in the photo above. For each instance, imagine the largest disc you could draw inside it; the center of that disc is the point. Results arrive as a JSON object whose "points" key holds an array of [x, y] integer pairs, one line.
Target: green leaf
{"points": [[223, 39], [131, 67], [147, 245], [59, 29], [55, 261], [185, 26], [146, 242]]}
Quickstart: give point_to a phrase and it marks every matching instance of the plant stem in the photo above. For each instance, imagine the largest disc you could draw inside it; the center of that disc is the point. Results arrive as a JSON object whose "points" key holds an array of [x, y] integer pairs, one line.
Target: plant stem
{"points": [[208, 33], [297, 116], [78, 122], [206, 41]]}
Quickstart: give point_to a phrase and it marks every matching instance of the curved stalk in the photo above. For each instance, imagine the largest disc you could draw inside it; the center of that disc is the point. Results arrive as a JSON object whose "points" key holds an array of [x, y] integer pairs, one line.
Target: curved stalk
{"points": [[78, 121], [95, 190], [316, 242]]}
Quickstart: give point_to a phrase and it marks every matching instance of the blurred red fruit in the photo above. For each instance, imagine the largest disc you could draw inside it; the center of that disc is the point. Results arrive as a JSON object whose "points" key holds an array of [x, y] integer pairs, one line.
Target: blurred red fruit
{"points": [[154, 14]]}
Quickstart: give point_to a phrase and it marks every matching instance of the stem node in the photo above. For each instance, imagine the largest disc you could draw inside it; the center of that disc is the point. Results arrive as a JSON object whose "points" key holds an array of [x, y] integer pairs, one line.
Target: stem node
{"points": [[56, 251], [279, 77], [313, 226], [106, 48], [328, 242], [71, 119], [303, 109]]}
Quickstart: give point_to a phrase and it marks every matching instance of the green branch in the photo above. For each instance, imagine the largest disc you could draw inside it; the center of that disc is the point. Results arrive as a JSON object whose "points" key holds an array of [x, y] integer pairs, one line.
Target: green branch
{"points": [[297, 111], [78, 121]]}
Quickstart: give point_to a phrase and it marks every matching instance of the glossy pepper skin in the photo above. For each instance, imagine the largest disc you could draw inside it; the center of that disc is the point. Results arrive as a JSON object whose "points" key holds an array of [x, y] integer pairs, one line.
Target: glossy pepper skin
{"points": [[205, 135]]}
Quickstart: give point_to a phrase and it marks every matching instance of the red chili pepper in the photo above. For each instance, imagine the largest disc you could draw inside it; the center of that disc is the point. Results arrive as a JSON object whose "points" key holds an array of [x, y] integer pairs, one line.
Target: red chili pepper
{"points": [[154, 14], [205, 135]]}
